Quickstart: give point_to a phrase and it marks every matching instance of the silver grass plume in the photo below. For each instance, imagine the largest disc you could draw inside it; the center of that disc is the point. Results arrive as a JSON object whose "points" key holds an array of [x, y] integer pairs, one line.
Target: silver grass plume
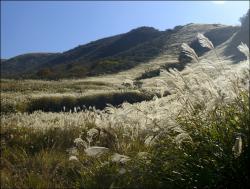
{"points": [[244, 49], [204, 41], [188, 51], [237, 148]]}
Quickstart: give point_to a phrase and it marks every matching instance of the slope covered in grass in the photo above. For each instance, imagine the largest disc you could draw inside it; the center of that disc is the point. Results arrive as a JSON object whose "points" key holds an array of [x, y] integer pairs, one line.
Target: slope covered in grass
{"points": [[24, 64], [112, 54], [197, 137]]}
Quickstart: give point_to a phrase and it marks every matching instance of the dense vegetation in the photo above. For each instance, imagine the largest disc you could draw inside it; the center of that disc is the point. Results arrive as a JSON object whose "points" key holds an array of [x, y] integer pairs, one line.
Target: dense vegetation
{"points": [[38, 159], [197, 137]]}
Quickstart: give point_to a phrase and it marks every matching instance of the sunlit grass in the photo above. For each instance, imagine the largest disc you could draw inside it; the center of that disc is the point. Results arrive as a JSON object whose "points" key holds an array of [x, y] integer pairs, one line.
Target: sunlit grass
{"points": [[195, 137]]}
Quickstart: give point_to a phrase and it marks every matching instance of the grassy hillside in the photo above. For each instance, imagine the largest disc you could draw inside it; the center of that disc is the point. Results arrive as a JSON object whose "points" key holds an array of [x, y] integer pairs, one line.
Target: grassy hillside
{"points": [[24, 64], [195, 137], [105, 55], [241, 36], [78, 62], [112, 54], [157, 123]]}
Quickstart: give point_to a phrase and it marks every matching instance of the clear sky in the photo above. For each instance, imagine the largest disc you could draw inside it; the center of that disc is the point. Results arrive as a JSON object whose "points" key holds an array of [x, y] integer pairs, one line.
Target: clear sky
{"points": [[50, 26]]}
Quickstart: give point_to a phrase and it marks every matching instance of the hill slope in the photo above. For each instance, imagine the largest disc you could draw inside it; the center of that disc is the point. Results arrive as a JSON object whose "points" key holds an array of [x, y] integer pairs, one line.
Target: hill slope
{"points": [[24, 64], [116, 53]]}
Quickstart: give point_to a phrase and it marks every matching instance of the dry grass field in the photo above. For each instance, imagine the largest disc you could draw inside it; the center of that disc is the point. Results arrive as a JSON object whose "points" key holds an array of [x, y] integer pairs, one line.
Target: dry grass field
{"points": [[181, 129]]}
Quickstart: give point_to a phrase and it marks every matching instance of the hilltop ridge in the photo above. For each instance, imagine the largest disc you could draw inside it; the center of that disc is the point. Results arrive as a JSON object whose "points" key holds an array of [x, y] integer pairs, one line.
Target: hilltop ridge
{"points": [[114, 54]]}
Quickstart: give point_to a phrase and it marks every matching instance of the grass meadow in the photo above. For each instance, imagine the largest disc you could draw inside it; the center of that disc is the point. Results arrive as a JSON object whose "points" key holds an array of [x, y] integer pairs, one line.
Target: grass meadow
{"points": [[180, 129]]}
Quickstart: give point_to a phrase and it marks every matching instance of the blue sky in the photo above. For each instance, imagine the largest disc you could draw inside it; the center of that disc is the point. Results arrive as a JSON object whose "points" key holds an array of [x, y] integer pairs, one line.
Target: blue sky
{"points": [[33, 26]]}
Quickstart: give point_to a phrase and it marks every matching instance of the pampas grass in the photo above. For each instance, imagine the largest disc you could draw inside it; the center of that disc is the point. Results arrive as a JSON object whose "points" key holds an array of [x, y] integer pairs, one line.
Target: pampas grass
{"points": [[183, 140], [244, 49], [189, 52], [204, 41]]}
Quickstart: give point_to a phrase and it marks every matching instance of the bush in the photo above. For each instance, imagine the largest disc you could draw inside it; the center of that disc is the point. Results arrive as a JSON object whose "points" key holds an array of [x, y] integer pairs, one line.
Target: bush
{"points": [[99, 101], [149, 74]]}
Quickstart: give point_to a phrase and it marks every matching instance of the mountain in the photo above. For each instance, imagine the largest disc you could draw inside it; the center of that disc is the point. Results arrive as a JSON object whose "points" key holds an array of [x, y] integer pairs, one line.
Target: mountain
{"points": [[218, 36], [241, 36], [24, 64], [104, 55], [117, 53]]}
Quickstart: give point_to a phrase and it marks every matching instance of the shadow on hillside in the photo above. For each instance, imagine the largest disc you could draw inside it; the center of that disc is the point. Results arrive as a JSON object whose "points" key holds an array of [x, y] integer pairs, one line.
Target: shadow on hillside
{"points": [[231, 49], [100, 101]]}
